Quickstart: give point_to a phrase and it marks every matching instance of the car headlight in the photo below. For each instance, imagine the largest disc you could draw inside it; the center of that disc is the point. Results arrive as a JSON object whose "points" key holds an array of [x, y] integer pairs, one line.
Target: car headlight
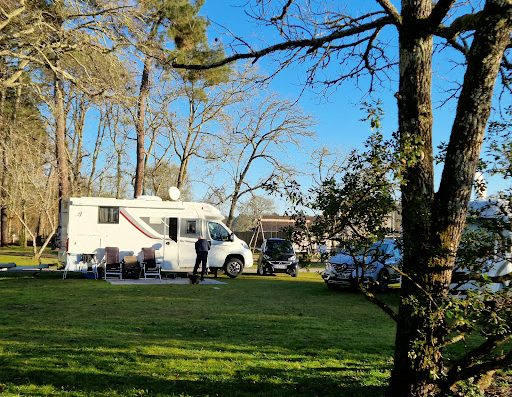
{"points": [[329, 267], [293, 258], [266, 257]]}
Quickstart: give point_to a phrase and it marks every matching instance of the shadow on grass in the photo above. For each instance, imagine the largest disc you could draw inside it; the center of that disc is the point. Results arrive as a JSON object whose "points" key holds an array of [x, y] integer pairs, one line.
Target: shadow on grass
{"points": [[250, 381]]}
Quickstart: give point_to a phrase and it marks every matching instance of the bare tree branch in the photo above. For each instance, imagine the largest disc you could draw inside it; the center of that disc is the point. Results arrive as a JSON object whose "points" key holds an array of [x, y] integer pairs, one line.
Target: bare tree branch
{"points": [[439, 12], [10, 16], [391, 11], [283, 13], [376, 301], [471, 364], [463, 23], [288, 45]]}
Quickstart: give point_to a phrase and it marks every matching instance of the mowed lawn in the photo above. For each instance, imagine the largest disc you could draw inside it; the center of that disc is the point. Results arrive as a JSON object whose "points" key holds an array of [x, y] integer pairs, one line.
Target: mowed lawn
{"points": [[254, 336]]}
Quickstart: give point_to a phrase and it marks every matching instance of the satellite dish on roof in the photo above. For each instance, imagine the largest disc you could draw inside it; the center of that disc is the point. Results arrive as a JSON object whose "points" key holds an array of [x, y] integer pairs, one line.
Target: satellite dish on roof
{"points": [[174, 193]]}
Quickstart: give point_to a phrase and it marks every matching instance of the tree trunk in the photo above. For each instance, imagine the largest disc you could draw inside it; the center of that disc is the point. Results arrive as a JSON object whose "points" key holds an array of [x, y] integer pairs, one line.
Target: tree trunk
{"points": [[9, 131], [412, 374], [190, 142], [232, 207], [78, 138], [432, 228], [119, 174], [4, 232], [23, 232], [182, 173], [487, 49], [60, 139], [139, 127], [141, 112]]}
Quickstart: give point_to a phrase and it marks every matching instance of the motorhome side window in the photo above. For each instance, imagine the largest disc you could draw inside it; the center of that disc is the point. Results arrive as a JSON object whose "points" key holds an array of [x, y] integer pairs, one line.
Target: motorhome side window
{"points": [[191, 227], [218, 232], [108, 215]]}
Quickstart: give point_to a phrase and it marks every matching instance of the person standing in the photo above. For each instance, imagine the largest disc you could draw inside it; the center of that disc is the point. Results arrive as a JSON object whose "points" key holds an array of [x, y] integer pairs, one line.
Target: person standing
{"points": [[202, 247]]}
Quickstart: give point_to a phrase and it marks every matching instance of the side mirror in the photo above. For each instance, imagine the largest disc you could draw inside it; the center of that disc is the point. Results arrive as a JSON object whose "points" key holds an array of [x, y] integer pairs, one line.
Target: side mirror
{"points": [[232, 237]]}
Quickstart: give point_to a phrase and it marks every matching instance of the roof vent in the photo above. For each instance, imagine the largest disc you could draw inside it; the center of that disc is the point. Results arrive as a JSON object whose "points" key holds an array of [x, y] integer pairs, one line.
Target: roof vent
{"points": [[149, 198]]}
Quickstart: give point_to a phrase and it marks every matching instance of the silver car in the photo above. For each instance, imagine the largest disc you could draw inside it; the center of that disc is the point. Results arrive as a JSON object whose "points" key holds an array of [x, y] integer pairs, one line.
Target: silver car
{"points": [[375, 267]]}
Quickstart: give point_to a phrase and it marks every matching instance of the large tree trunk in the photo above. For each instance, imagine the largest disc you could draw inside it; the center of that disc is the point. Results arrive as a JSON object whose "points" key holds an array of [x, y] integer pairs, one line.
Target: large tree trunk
{"points": [[432, 228], [61, 145], [411, 375], [139, 127], [60, 139], [78, 141], [8, 131], [491, 39], [4, 232]]}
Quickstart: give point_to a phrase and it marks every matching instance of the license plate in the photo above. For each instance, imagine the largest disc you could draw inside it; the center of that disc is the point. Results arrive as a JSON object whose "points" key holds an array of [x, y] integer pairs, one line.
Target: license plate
{"points": [[280, 266]]}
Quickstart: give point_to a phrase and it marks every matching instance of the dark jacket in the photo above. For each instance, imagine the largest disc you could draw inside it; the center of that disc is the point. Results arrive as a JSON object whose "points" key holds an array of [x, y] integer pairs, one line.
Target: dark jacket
{"points": [[202, 245]]}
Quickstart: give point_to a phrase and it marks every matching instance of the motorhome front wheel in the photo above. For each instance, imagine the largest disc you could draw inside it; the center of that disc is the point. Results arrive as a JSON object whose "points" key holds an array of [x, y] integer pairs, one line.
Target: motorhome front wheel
{"points": [[233, 267]]}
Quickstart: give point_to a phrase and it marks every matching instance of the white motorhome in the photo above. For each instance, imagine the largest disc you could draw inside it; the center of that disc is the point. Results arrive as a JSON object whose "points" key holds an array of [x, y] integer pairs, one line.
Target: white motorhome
{"points": [[497, 213], [89, 224]]}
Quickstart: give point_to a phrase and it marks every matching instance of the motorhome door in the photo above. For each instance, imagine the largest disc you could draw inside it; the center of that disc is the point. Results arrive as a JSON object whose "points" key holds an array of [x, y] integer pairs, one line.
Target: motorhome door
{"points": [[170, 245], [190, 229]]}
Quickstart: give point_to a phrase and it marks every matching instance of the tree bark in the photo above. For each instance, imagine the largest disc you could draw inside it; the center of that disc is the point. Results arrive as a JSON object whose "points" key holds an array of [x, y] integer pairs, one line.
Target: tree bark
{"points": [[60, 139], [4, 232], [139, 127], [433, 225], [411, 374], [232, 206], [145, 84], [78, 140], [489, 44]]}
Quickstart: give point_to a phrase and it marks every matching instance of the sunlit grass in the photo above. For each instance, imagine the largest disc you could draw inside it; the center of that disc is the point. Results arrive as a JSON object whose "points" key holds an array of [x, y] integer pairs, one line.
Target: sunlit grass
{"points": [[254, 336], [23, 256]]}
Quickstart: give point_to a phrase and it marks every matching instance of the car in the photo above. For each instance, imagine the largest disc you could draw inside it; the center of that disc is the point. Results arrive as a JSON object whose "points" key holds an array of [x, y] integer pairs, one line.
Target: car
{"points": [[376, 266], [278, 256]]}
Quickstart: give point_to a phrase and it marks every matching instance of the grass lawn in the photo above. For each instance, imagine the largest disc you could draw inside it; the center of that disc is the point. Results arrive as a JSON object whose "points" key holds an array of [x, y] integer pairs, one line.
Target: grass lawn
{"points": [[254, 336], [23, 256]]}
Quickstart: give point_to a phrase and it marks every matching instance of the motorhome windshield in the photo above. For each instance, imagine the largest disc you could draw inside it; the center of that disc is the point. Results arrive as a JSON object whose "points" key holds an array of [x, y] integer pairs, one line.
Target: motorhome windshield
{"points": [[218, 232]]}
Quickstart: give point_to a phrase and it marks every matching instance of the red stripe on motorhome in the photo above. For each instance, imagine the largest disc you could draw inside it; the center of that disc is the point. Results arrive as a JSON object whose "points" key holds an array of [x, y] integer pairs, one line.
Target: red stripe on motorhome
{"points": [[137, 227]]}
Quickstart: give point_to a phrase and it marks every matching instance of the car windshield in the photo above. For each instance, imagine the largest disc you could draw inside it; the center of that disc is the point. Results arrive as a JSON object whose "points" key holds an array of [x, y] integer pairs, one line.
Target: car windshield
{"points": [[279, 246], [378, 249]]}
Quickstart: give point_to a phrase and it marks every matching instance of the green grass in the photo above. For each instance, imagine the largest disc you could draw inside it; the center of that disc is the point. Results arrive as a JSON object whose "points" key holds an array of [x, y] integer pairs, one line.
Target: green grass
{"points": [[23, 256], [254, 336]]}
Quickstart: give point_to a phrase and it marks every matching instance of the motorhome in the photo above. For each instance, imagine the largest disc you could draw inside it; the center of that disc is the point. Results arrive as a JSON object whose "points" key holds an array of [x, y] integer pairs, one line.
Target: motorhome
{"points": [[89, 224], [490, 217]]}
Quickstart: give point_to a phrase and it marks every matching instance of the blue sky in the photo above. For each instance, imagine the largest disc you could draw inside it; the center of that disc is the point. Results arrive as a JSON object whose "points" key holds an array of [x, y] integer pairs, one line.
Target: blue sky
{"points": [[338, 112]]}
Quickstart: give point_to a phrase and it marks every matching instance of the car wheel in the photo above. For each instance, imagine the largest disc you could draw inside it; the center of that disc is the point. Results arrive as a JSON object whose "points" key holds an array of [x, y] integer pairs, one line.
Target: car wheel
{"points": [[261, 270], [332, 286], [233, 267], [383, 281], [294, 272]]}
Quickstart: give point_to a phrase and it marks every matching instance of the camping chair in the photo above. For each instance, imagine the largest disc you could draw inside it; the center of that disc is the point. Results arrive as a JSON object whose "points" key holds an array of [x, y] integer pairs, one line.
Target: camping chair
{"points": [[111, 263], [150, 266], [131, 267]]}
